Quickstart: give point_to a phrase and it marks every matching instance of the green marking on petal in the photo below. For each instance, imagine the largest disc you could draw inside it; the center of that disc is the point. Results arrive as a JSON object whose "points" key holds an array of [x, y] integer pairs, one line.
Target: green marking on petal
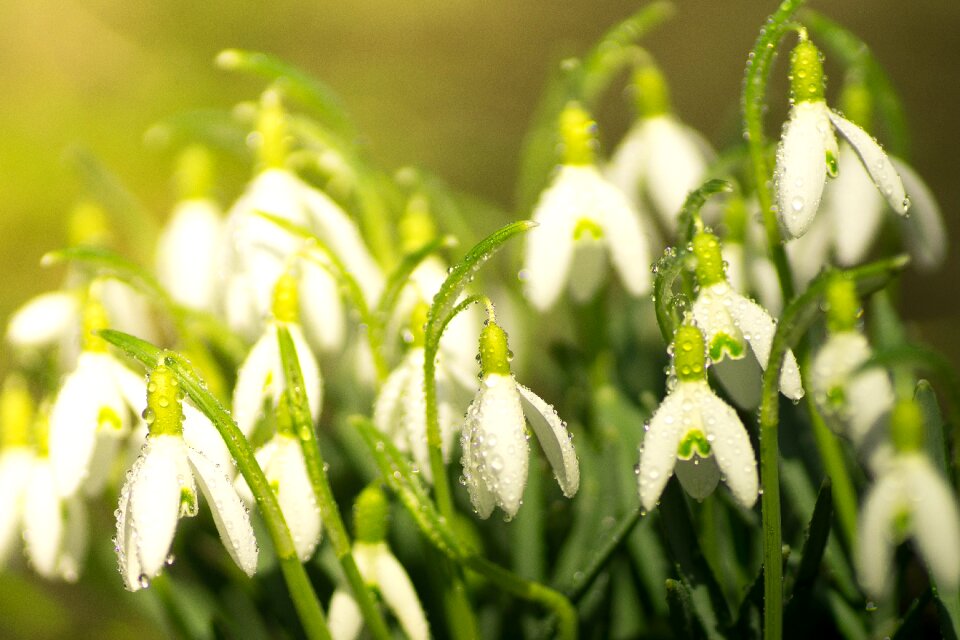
{"points": [[108, 420], [694, 442], [901, 524], [725, 346], [587, 226], [188, 503], [833, 167], [836, 397]]}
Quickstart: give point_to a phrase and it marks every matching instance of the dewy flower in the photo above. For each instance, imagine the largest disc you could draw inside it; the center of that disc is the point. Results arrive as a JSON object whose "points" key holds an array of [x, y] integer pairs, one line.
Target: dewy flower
{"points": [[381, 571], [733, 322], [162, 487], [281, 459], [188, 250], [808, 149], [258, 251], [260, 377], [695, 434], [909, 498], [494, 441], [580, 215], [91, 412], [853, 402], [659, 156]]}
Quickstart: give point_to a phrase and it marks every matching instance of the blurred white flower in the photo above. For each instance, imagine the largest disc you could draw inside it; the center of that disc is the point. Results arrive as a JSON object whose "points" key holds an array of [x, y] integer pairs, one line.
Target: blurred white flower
{"points": [[54, 527], [188, 254], [910, 498]]}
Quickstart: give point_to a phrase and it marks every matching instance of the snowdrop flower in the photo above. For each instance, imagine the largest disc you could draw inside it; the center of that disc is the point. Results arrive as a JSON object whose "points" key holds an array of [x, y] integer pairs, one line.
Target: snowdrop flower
{"points": [[16, 460], [733, 322], [808, 152], [162, 487], [580, 215], [659, 156], [909, 498], [695, 434], [400, 408], [493, 438], [91, 412], [282, 462], [260, 377], [381, 571], [188, 250], [258, 251], [853, 402]]}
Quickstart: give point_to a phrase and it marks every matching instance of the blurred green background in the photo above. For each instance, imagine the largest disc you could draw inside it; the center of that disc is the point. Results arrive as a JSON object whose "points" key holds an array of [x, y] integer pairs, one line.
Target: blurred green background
{"points": [[445, 84]]}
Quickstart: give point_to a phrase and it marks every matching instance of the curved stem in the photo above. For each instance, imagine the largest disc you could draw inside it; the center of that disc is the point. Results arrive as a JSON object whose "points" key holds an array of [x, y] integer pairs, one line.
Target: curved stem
{"points": [[754, 100]]}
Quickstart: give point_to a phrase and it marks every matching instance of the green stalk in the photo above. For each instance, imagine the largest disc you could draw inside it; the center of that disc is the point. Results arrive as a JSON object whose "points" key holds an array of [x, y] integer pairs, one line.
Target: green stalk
{"points": [[754, 100], [844, 496], [329, 511], [301, 590]]}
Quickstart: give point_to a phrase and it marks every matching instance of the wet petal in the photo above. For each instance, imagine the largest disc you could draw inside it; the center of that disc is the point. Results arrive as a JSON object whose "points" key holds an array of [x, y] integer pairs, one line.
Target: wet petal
{"points": [[855, 209], [229, 514], [758, 330], [731, 447], [924, 231], [712, 312], [802, 166], [287, 472], [556, 441], [658, 453], [875, 161], [398, 593], [155, 497]]}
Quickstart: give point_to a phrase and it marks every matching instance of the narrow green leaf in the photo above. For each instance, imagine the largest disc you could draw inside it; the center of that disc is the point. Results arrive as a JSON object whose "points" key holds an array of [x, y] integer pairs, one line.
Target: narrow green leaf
{"points": [[818, 531], [682, 620], [688, 219], [910, 624], [668, 306]]}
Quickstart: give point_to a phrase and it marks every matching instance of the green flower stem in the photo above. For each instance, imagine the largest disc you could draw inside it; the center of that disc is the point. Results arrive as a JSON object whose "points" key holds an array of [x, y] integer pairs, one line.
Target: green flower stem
{"points": [[329, 511], [754, 100], [582, 580], [797, 317], [301, 590]]}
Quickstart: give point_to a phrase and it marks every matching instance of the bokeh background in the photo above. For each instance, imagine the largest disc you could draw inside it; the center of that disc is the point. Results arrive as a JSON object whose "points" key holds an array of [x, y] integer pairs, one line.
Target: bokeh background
{"points": [[445, 84]]}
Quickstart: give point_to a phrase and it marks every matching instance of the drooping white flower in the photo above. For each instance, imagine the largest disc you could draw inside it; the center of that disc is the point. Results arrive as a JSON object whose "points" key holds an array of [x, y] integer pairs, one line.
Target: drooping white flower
{"points": [[732, 323], [695, 434], [188, 254], [260, 378], [281, 459], [581, 215], [54, 527], [44, 320], [910, 498], [855, 403], [162, 487], [16, 465], [808, 151], [258, 251], [494, 441], [89, 417]]}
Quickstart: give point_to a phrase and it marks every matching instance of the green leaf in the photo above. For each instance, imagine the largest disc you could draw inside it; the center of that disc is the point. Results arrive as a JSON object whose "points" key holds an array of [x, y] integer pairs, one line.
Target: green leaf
{"points": [[294, 83], [669, 307], [682, 619], [818, 532], [688, 220]]}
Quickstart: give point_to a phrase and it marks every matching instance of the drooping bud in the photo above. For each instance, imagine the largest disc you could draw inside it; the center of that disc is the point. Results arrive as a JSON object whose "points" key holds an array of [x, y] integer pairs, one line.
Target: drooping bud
{"points": [[578, 135], [807, 81], [651, 92]]}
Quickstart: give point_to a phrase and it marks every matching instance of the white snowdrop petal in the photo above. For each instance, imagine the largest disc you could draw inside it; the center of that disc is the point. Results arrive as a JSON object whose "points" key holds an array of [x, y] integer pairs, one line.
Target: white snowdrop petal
{"points": [[801, 166], [187, 257], [629, 161], [256, 381], [229, 514], [936, 522], [43, 528], [730, 445], [321, 308], [658, 453], [388, 408], [676, 166], [555, 440], [549, 246], [854, 207], [481, 496], [125, 540], [199, 433], [713, 313], [398, 593], [875, 161], [16, 464], [758, 328], [344, 618], [500, 441], [43, 320], [413, 425], [924, 231], [288, 473], [73, 549], [629, 246], [129, 310], [309, 368], [874, 552], [155, 500], [132, 387], [809, 254], [698, 476]]}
